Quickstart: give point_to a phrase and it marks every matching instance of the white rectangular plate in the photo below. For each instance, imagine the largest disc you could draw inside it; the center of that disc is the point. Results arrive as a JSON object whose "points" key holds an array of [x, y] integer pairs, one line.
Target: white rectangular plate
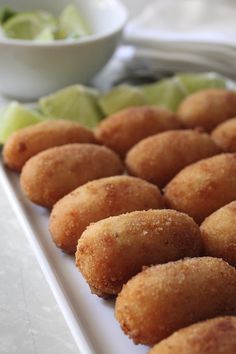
{"points": [[90, 319]]}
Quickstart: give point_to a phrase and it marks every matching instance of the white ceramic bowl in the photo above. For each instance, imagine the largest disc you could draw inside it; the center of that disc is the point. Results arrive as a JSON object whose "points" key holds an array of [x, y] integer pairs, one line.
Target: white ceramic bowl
{"points": [[29, 70]]}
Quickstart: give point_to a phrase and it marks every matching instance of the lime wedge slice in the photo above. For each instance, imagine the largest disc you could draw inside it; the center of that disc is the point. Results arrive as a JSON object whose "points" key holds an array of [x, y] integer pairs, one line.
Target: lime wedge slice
{"points": [[29, 25], [167, 93], [197, 82], [5, 14], [121, 97], [74, 102], [14, 117], [47, 35], [71, 24]]}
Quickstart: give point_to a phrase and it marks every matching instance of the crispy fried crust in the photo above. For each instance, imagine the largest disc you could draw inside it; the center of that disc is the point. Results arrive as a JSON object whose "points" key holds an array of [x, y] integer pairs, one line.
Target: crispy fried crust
{"points": [[112, 250], [98, 200], [207, 108], [203, 187], [216, 336], [225, 135], [29, 141], [124, 129], [53, 173], [219, 233], [165, 298], [159, 158]]}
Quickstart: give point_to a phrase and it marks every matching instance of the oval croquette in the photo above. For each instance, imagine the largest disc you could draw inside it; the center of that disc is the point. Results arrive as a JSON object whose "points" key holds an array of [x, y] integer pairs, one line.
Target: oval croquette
{"points": [[53, 173], [112, 250], [219, 233], [29, 141], [98, 200], [203, 187], [124, 129], [159, 158], [207, 108], [165, 298], [215, 336]]}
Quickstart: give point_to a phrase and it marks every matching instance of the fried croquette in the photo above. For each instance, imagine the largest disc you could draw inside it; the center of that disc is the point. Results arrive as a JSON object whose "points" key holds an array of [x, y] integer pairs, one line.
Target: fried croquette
{"points": [[219, 233], [112, 250], [29, 141], [159, 158], [224, 135], [215, 336], [165, 298], [124, 129], [203, 187], [207, 108], [53, 173], [98, 200]]}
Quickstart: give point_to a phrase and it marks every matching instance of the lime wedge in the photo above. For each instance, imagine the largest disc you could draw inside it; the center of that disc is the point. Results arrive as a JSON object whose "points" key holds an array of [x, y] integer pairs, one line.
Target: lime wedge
{"points": [[167, 93], [121, 97], [74, 102], [47, 35], [71, 24], [5, 14], [29, 25], [197, 82], [14, 117]]}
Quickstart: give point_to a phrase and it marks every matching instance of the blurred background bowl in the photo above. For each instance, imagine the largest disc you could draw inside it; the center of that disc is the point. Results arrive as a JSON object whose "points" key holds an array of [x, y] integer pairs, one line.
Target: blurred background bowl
{"points": [[29, 70]]}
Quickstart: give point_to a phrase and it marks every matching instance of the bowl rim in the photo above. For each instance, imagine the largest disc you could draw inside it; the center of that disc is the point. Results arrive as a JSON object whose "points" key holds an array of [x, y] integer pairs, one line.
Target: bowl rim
{"points": [[74, 42]]}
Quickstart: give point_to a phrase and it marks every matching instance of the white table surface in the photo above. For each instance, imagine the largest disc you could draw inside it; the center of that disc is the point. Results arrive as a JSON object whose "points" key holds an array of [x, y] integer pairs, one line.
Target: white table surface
{"points": [[30, 320]]}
